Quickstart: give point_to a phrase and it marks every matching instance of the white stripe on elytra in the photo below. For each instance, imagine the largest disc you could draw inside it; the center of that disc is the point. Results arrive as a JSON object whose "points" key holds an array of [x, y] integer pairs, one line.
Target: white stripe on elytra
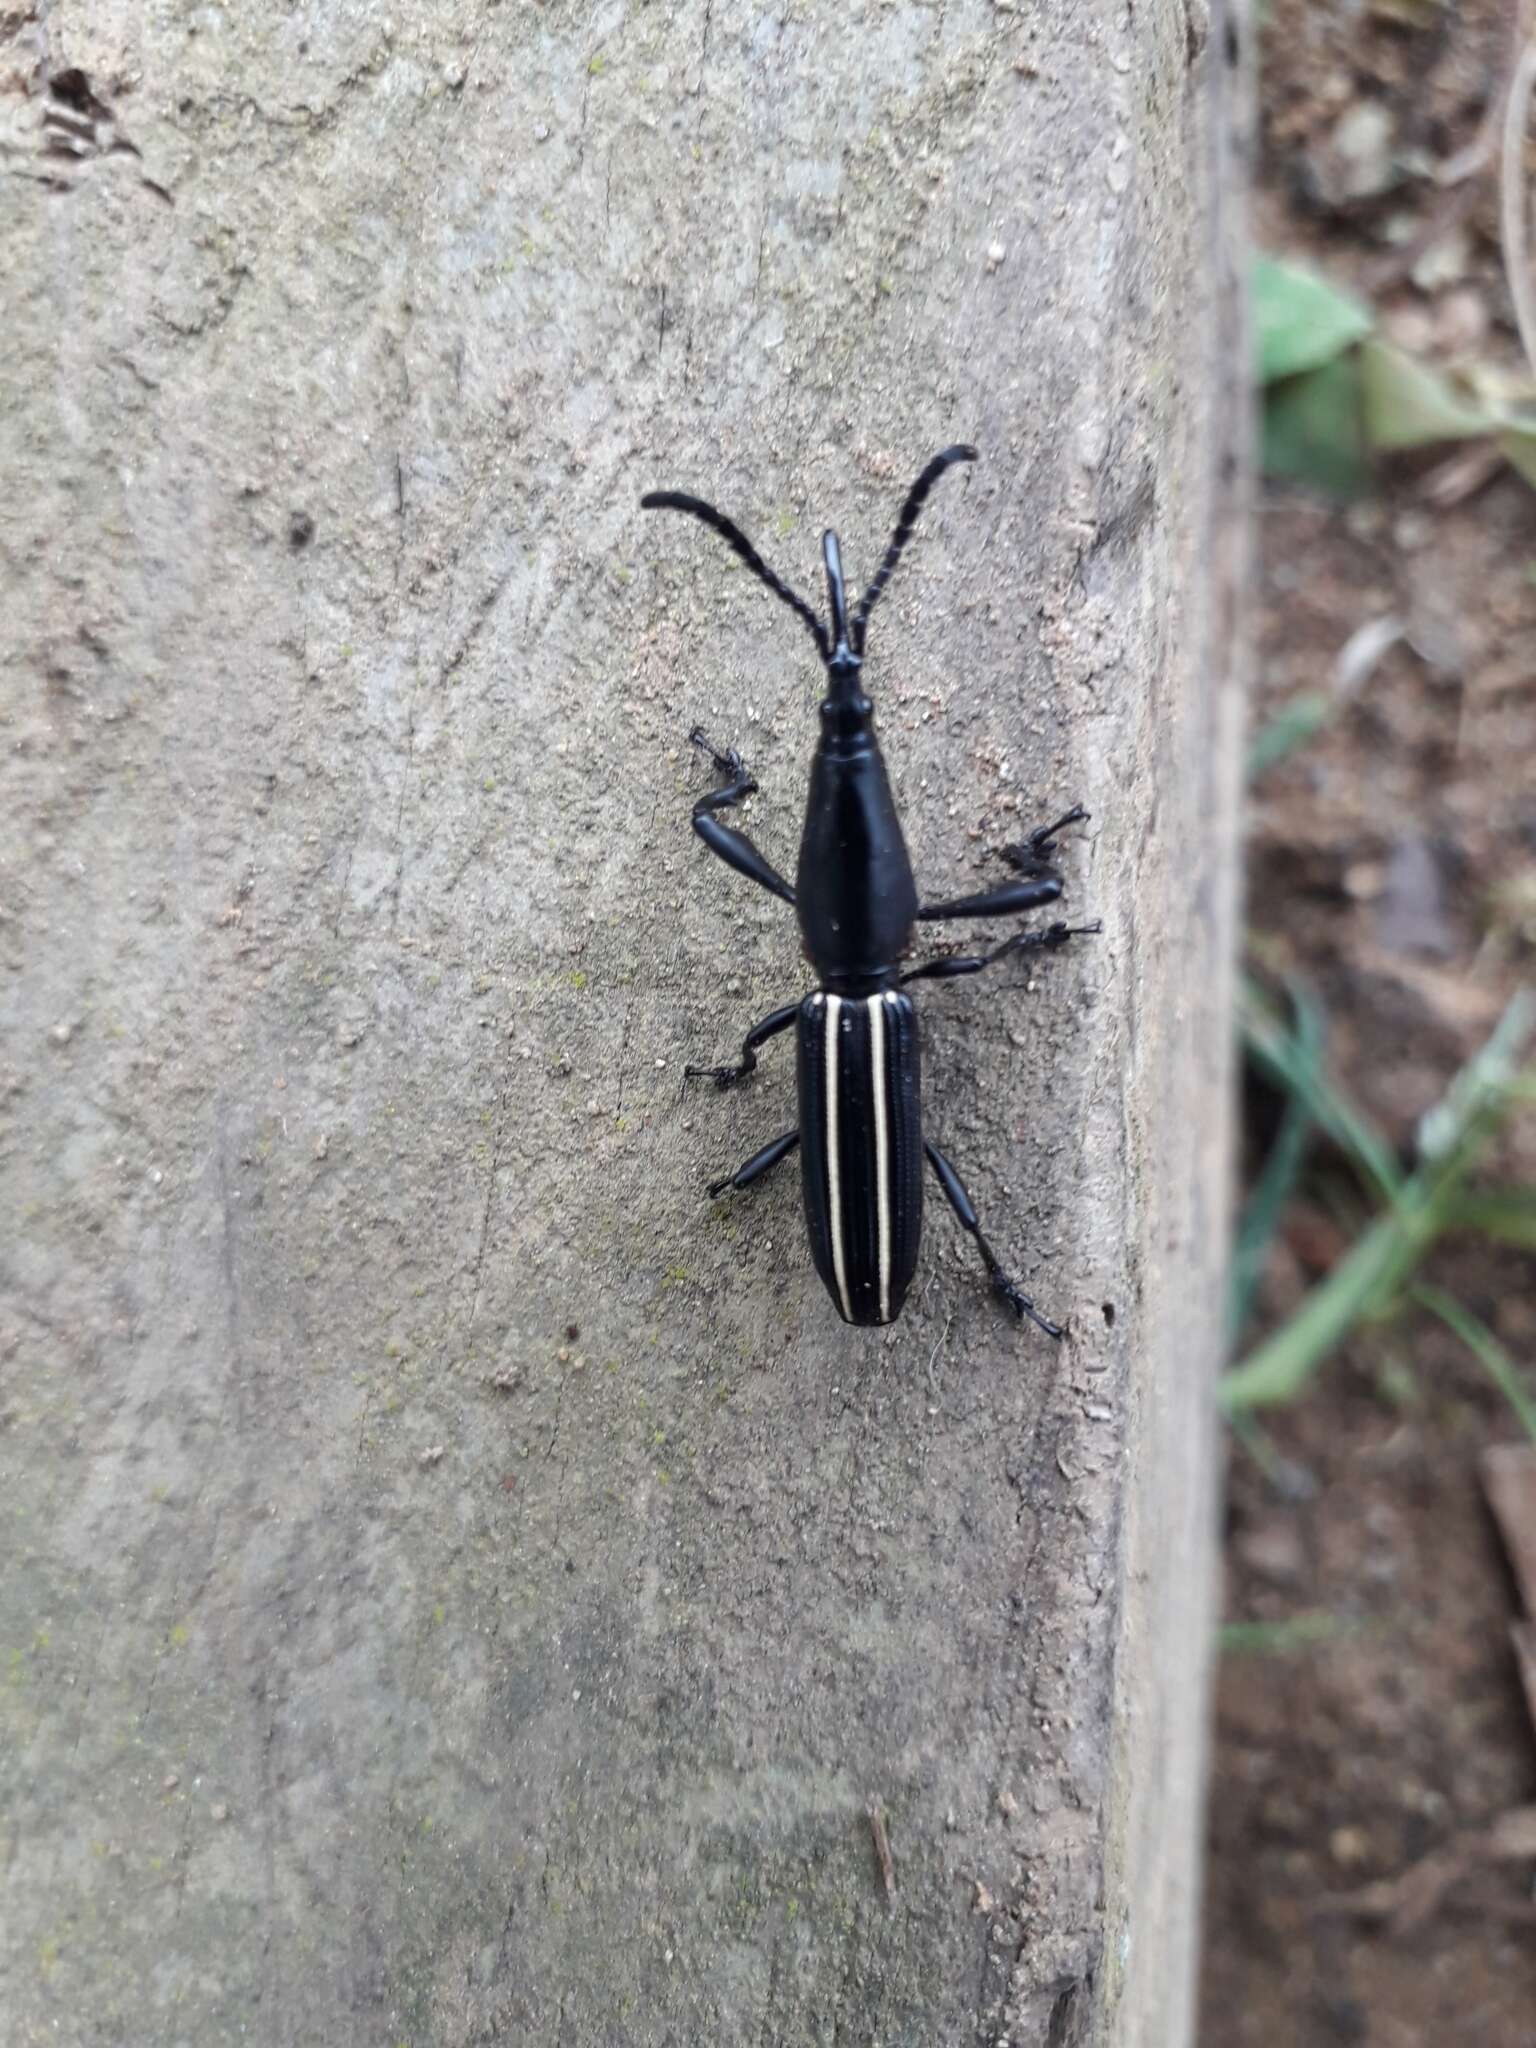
{"points": [[882, 1152], [834, 1177]]}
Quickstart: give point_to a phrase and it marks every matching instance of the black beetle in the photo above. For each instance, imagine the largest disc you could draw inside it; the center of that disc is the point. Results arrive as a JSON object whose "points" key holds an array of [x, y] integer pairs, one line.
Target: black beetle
{"points": [[860, 1131]]}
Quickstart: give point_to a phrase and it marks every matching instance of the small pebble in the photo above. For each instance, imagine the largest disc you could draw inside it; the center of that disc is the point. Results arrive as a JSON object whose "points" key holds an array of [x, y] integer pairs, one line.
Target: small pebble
{"points": [[1349, 1846], [1274, 1551]]}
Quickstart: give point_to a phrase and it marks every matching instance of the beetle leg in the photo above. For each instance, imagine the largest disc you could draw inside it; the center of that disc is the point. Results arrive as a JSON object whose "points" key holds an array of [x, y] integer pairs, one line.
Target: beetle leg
{"points": [[733, 847], [1032, 858], [759, 1164], [1054, 935], [965, 1209], [775, 1022], [1004, 901]]}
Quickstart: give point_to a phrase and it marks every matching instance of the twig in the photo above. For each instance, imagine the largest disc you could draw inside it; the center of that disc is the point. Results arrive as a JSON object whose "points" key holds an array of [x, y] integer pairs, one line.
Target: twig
{"points": [[1466, 163], [1513, 200], [883, 1851], [1407, 1901], [933, 1385]]}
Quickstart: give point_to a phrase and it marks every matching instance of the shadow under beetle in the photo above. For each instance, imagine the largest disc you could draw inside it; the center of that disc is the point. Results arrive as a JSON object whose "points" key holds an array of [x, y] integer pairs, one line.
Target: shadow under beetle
{"points": [[860, 1131]]}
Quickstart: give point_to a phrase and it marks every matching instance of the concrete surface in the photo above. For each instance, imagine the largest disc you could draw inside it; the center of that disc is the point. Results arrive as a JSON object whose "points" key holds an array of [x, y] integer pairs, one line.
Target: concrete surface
{"points": [[460, 1585]]}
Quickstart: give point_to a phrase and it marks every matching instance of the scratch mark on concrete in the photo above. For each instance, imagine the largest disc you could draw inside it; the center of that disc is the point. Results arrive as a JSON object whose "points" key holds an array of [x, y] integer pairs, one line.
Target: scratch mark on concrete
{"points": [[490, 1194]]}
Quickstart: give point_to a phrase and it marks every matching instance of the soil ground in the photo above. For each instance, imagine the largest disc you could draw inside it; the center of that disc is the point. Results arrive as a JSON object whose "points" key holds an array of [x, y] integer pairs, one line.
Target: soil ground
{"points": [[1392, 867]]}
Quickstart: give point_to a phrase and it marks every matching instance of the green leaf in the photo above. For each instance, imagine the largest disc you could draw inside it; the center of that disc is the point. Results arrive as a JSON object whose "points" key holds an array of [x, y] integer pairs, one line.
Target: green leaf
{"points": [[1409, 405], [1300, 322], [1314, 431]]}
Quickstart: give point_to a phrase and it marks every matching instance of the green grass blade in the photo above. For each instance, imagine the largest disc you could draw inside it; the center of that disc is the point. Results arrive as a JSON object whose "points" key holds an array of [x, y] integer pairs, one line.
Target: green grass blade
{"points": [[1282, 1169], [1486, 1349], [1290, 1480], [1292, 726], [1482, 1089], [1281, 1056], [1373, 1268], [1281, 1638], [1507, 1215]]}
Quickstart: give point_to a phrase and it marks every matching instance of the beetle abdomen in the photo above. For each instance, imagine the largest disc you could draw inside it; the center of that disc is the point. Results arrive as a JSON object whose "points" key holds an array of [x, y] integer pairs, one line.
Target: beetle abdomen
{"points": [[861, 1148]]}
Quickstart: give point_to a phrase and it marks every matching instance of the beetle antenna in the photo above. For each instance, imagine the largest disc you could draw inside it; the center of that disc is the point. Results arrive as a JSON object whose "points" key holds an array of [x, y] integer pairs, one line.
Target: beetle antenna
{"points": [[903, 534], [732, 535]]}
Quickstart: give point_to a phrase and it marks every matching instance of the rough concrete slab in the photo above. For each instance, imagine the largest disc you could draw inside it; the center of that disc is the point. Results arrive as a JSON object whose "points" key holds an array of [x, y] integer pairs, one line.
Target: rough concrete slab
{"points": [[460, 1585]]}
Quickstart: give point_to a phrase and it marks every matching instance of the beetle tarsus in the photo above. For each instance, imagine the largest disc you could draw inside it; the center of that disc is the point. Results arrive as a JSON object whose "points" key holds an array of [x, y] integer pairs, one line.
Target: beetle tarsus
{"points": [[1032, 856], [1058, 934], [1050, 938], [1022, 1306], [959, 1200], [733, 847], [950, 966], [767, 1027], [726, 759]]}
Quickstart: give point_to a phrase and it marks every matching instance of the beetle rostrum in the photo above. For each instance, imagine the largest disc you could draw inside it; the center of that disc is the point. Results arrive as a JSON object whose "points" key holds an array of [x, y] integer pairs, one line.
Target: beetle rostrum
{"points": [[860, 1135]]}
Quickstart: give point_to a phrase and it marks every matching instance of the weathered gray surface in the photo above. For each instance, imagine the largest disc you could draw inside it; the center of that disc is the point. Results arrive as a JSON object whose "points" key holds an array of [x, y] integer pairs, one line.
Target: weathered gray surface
{"points": [[353, 940]]}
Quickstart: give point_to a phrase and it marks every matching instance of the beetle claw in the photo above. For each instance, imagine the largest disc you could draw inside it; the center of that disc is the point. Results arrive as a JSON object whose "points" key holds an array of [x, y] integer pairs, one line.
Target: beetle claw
{"points": [[1032, 861]]}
